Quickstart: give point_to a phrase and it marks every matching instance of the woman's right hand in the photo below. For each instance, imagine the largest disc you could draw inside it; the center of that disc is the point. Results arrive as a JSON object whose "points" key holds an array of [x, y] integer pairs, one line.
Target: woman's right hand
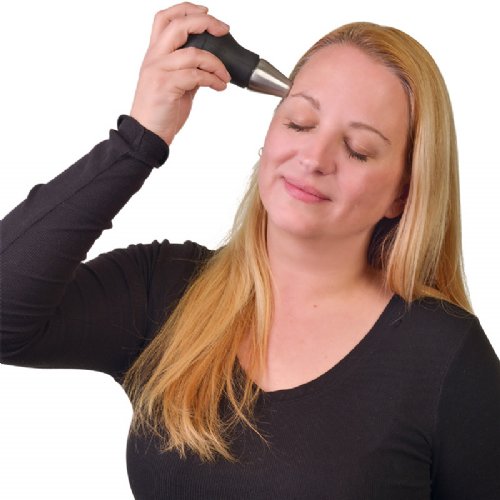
{"points": [[169, 78]]}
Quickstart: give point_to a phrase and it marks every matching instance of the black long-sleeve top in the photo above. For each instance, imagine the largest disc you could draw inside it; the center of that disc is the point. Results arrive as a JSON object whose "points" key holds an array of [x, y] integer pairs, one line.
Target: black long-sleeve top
{"points": [[411, 413]]}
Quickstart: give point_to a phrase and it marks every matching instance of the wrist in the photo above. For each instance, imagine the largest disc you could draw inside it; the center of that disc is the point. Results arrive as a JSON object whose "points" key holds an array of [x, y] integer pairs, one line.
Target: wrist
{"points": [[145, 142]]}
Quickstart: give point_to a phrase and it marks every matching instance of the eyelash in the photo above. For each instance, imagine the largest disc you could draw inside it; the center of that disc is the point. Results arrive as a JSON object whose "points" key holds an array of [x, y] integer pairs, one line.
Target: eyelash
{"points": [[350, 152], [298, 128], [355, 154]]}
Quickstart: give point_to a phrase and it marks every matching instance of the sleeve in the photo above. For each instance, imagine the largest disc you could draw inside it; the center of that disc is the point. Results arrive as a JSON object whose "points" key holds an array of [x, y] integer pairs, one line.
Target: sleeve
{"points": [[466, 462], [54, 310]]}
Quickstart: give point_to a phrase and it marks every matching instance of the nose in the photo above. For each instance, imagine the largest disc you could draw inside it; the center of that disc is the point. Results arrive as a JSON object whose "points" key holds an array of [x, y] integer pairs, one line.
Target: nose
{"points": [[317, 158]]}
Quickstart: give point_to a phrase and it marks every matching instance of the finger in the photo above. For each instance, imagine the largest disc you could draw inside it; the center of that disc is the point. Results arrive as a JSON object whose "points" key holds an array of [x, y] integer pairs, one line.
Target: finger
{"points": [[191, 79], [163, 17], [192, 57], [177, 32]]}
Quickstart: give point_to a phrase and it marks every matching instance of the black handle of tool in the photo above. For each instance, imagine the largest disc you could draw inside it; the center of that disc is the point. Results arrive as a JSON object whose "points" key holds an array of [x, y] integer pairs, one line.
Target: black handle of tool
{"points": [[239, 61]]}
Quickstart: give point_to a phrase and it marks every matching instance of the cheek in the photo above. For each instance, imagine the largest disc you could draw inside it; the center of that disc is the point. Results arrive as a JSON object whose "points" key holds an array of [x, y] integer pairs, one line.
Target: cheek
{"points": [[276, 152], [261, 175], [264, 179], [277, 145], [370, 188]]}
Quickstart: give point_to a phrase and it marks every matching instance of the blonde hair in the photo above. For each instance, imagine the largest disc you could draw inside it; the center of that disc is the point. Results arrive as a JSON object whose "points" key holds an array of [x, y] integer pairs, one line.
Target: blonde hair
{"points": [[187, 386]]}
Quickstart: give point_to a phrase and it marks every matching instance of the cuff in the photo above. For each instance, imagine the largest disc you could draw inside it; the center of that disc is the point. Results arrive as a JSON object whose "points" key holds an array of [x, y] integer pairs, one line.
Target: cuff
{"points": [[147, 144]]}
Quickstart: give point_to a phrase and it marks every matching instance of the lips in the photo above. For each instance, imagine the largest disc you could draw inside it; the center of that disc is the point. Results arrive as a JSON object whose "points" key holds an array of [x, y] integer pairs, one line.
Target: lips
{"points": [[305, 188]]}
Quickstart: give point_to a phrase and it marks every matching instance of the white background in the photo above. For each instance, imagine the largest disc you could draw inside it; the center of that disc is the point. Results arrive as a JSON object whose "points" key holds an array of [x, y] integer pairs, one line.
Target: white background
{"points": [[69, 69]]}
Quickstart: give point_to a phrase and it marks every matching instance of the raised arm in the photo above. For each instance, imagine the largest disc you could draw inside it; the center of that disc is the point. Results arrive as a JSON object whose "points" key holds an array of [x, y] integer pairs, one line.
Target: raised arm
{"points": [[58, 312]]}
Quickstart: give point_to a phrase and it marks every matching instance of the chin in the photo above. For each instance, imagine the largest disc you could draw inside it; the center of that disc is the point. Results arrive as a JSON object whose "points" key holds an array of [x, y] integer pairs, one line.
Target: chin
{"points": [[295, 227]]}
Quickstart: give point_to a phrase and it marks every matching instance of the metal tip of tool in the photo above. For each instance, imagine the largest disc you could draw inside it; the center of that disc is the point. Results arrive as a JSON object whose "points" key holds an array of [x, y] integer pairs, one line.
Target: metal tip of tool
{"points": [[268, 80]]}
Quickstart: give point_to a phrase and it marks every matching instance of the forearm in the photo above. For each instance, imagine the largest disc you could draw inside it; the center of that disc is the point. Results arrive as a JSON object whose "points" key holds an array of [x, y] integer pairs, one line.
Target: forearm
{"points": [[48, 235]]}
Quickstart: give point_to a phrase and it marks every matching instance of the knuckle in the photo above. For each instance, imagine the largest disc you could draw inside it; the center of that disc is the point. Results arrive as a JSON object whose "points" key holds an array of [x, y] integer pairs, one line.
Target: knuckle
{"points": [[192, 54], [174, 23], [194, 73], [197, 76], [159, 16]]}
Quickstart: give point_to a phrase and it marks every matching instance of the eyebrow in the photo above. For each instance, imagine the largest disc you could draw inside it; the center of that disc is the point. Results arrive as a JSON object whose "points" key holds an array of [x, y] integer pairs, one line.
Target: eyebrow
{"points": [[365, 126], [314, 102], [356, 125]]}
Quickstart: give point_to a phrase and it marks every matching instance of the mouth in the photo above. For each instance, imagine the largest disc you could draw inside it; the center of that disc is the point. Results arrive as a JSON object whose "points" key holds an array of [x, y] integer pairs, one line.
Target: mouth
{"points": [[304, 192]]}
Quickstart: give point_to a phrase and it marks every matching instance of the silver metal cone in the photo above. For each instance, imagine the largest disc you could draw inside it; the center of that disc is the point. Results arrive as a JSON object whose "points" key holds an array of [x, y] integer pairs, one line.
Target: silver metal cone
{"points": [[266, 79]]}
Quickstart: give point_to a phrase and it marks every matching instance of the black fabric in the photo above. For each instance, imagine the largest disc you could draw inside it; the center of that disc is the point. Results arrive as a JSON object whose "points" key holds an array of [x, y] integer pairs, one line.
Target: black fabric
{"points": [[412, 412]]}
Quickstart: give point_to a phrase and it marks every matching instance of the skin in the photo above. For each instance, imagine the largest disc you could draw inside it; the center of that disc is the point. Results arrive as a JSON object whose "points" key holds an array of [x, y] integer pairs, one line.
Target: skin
{"points": [[170, 77], [316, 246], [341, 131], [318, 138]]}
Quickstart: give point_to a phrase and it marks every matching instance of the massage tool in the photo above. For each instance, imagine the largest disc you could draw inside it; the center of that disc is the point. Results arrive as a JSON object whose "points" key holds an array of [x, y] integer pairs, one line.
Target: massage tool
{"points": [[246, 68]]}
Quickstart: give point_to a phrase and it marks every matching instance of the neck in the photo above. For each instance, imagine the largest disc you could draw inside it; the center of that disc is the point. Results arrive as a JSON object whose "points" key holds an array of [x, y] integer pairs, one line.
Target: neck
{"points": [[306, 271]]}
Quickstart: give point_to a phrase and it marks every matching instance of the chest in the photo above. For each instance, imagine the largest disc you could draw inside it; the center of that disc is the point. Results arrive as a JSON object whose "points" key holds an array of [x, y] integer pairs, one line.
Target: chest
{"points": [[342, 443], [304, 346]]}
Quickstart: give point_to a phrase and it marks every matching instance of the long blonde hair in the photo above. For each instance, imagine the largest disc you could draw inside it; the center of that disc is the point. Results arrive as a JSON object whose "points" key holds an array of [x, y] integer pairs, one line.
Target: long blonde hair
{"points": [[187, 386]]}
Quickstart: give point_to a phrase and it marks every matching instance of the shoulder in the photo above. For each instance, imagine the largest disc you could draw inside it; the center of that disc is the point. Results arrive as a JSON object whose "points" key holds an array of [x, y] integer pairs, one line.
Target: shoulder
{"points": [[466, 409], [159, 257], [167, 269], [436, 330], [430, 315], [182, 258]]}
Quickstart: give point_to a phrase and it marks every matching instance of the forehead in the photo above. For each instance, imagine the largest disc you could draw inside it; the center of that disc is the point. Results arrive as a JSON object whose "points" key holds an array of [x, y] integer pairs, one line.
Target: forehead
{"points": [[344, 79], [347, 60]]}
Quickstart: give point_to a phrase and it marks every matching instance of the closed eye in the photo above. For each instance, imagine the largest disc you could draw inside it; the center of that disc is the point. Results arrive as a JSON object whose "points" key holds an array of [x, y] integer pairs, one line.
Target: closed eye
{"points": [[354, 154], [351, 152], [297, 127]]}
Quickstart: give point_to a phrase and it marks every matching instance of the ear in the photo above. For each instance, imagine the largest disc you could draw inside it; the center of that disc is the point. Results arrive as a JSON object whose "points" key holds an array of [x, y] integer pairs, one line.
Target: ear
{"points": [[398, 205]]}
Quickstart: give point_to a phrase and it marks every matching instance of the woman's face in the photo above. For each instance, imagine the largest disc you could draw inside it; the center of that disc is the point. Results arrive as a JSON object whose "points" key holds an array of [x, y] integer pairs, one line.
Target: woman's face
{"points": [[333, 159]]}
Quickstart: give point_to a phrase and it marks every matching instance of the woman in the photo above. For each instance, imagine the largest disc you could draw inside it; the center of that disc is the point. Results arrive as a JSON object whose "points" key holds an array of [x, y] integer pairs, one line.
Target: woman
{"points": [[328, 350]]}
